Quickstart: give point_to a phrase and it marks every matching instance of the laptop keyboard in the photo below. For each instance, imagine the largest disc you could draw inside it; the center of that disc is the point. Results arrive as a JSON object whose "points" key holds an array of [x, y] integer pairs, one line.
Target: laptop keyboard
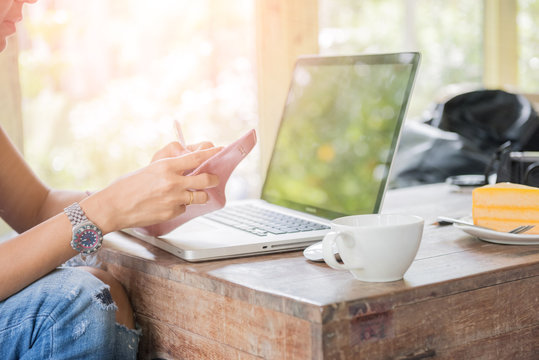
{"points": [[261, 221]]}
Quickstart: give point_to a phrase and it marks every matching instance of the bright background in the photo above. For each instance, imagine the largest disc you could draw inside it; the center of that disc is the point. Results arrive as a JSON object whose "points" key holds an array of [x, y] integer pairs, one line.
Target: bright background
{"points": [[109, 76]]}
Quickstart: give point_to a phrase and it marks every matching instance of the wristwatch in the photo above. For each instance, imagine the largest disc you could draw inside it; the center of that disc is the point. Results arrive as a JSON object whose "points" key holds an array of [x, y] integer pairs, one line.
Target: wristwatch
{"points": [[87, 237]]}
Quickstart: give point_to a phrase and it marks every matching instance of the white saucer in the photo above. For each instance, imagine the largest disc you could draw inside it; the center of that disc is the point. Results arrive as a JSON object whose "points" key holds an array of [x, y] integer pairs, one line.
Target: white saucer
{"points": [[499, 237], [314, 252]]}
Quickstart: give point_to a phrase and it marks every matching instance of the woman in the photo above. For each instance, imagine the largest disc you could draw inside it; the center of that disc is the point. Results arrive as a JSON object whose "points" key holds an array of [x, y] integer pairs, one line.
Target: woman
{"points": [[48, 311]]}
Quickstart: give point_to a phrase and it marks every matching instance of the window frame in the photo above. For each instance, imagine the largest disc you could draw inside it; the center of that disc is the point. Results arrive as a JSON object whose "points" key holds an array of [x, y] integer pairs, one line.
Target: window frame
{"points": [[500, 45], [285, 30]]}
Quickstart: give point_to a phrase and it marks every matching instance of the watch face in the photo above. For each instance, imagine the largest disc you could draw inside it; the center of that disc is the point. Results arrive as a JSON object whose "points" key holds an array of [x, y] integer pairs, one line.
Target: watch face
{"points": [[87, 238]]}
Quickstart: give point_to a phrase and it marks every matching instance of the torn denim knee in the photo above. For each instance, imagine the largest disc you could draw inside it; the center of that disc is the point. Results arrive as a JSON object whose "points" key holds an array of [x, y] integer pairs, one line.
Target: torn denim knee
{"points": [[104, 298], [69, 313]]}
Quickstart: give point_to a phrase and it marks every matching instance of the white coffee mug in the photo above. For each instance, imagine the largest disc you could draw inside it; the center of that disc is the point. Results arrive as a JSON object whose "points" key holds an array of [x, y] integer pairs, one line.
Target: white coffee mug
{"points": [[374, 247]]}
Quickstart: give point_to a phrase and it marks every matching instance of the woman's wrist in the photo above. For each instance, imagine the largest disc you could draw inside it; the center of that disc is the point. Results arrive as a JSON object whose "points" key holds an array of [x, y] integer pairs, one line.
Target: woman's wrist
{"points": [[97, 212]]}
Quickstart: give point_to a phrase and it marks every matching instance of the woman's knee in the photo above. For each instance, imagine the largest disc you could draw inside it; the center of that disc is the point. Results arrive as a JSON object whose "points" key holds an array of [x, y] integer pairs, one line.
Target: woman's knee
{"points": [[66, 313], [102, 307], [124, 313]]}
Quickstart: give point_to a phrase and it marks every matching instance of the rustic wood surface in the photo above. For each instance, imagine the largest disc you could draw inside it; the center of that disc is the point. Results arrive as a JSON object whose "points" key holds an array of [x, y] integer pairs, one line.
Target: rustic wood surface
{"points": [[461, 298]]}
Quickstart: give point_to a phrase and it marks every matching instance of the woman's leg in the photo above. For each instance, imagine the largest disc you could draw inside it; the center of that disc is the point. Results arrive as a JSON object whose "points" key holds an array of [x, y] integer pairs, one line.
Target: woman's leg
{"points": [[124, 312], [67, 314]]}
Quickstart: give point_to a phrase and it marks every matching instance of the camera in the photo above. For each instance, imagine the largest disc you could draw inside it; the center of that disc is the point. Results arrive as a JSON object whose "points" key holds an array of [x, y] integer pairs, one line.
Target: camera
{"points": [[519, 168]]}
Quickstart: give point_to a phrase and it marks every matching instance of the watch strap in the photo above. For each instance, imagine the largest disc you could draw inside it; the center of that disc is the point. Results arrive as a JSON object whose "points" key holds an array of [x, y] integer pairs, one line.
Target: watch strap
{"points": [[75, 214]]}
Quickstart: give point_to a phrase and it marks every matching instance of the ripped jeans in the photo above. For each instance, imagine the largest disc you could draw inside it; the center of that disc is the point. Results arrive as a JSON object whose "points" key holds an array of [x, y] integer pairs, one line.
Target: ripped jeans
{"points": [[67, 314]]}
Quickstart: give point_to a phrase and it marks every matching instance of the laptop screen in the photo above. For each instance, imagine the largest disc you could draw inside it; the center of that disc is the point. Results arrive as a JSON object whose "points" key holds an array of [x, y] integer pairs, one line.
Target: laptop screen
{"points": [[338, 133]]}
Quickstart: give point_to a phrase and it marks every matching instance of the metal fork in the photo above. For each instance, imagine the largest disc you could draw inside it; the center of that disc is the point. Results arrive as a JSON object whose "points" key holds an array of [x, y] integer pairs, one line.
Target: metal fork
{"points": [[518, 230], [521, 229]]}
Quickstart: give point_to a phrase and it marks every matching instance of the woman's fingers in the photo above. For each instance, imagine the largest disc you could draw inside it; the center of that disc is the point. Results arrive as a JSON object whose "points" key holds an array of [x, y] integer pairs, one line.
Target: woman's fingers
{"points": [[200, 182], [175, 149], [192, 160], [160, 191], [200, 146], [196, 197], [172, 149]]}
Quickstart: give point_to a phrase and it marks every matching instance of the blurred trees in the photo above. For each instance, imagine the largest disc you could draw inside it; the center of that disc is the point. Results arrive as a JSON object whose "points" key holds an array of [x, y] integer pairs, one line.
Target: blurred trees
{"points": [[102, 80]]}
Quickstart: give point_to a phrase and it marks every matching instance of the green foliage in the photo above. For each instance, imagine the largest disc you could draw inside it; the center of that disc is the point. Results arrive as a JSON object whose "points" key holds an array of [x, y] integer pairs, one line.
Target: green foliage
{"points": [[447, 33]]}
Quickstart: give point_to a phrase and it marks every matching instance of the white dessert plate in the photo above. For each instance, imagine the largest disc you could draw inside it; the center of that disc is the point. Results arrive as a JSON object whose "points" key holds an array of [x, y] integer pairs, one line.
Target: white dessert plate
{"points": [[498, 237]]}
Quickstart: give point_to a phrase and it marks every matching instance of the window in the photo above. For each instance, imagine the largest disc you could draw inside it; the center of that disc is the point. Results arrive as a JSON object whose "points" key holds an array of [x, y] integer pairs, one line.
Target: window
{"points": [[110, 75], [528, 66], [447, 33], [102, 81]]}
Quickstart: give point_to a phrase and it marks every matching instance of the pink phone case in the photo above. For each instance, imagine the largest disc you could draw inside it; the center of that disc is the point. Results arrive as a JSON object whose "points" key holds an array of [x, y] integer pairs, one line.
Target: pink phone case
{"points": [[221, 164]]}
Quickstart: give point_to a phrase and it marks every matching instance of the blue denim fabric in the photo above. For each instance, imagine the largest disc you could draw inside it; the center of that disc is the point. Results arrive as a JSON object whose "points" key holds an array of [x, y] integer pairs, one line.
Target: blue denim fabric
{"points": [[68, 314]]}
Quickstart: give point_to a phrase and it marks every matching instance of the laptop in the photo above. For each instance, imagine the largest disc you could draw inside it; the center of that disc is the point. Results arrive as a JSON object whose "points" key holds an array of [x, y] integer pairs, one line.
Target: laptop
{"points": [[332, 155]]}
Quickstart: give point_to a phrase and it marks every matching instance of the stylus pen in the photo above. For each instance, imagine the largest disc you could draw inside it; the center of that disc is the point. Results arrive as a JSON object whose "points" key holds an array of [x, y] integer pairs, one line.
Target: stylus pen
{"points": [[179, 133]]}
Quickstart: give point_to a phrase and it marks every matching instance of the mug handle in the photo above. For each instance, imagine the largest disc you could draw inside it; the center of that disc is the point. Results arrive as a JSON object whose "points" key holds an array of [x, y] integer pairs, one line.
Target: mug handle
{"points": [[327, 250]]}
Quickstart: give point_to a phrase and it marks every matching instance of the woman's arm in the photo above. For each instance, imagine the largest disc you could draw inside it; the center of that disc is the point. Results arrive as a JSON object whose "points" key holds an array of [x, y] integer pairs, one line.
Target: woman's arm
{"points": [[21, 192], [150, 195]]}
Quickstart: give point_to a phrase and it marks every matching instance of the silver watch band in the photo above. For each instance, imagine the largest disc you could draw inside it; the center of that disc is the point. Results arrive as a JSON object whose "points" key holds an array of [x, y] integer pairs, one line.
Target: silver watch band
{"points": [[75, 214]]}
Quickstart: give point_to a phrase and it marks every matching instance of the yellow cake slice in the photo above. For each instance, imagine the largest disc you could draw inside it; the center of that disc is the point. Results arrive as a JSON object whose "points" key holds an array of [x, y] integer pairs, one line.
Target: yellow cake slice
{"points": [[504, 206]]}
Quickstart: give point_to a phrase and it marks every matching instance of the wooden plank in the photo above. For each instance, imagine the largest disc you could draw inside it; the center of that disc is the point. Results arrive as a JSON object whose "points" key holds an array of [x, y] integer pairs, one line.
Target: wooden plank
{"points": [[447, 324], [166, 341], [521, 344], [249, 328]]}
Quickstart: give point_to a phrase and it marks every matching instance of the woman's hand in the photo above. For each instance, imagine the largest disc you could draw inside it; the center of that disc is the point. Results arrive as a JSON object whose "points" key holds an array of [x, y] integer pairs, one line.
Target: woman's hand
{"points": [[153, 194], [175, 149]]}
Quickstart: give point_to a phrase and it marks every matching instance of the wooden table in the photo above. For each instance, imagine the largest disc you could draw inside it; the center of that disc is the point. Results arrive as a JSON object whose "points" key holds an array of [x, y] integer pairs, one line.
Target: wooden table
{"points": [[462, 298]]}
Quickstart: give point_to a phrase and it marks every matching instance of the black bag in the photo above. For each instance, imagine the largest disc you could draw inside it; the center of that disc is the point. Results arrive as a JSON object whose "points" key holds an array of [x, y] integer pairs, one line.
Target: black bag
{"points": [[463, 135]]}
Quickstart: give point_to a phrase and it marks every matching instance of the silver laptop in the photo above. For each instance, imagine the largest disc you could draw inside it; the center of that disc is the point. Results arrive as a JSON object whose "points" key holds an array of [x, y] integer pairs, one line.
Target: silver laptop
{"points": [[332, 157]]}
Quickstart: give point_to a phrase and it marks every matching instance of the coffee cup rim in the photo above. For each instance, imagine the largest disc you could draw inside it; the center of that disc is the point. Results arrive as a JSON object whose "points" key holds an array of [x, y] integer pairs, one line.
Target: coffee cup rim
{"points": [[410, 220]]}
